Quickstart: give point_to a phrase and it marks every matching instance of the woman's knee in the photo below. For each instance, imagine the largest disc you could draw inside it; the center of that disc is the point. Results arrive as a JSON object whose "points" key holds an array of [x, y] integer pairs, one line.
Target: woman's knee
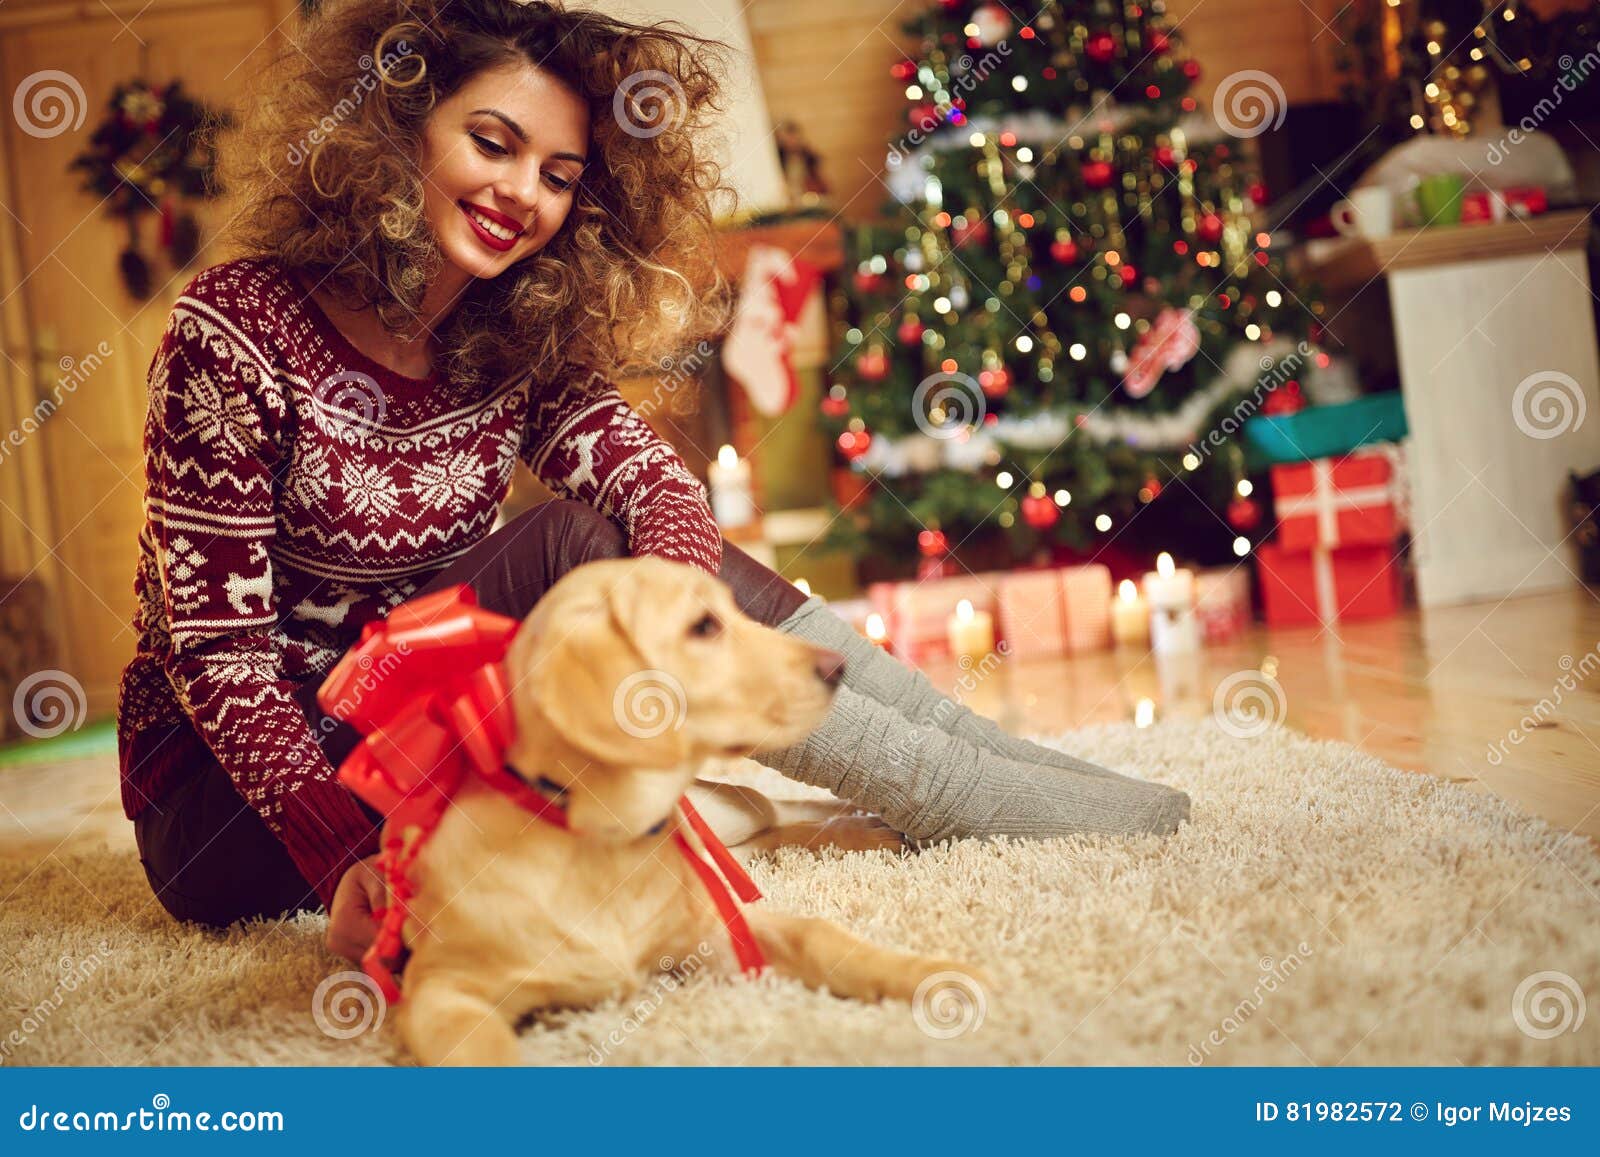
{"points": [[570, 533]]}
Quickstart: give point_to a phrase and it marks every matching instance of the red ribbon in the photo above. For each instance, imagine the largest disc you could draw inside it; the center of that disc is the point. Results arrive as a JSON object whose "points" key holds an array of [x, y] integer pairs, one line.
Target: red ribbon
{"points": [[427, 687]]}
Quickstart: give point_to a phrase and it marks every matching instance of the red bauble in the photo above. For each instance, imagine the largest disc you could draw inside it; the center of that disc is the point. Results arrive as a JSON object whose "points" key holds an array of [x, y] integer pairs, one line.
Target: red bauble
{"points": [[932, 543], [1098, 174], [1100, 47], [1064, 252], [873, 366], [1158, 42], [923, 117], [869, 282], [833, 407], [964, 230], [903, 70], [1165, 157], [910, 331], [1040, 511], [854, 443], [996, 383], [1209, 228], [1191, 69], [1258, 193], [1244, 514], [1128, 274], [1286, 399]]}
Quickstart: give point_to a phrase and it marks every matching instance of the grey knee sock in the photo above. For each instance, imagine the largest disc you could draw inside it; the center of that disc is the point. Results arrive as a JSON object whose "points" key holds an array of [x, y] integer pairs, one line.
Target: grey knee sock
{"points": [[934, 786], [872, 671]]}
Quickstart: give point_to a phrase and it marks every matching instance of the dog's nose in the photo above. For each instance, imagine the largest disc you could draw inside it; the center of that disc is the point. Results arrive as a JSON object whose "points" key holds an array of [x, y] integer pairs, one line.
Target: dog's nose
{"points": [[830, 667]]}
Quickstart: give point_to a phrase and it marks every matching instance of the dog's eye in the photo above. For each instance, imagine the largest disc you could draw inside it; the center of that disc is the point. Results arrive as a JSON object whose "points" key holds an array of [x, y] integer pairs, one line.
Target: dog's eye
{"points": [[707, 626]]}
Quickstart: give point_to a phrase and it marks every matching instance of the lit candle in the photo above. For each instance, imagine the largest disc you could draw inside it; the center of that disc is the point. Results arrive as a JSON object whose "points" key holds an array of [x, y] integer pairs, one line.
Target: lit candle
{"points": [[877, 633], [1130, 617], [733, 502], [1174, 628], [802, 586], [971, 631]]}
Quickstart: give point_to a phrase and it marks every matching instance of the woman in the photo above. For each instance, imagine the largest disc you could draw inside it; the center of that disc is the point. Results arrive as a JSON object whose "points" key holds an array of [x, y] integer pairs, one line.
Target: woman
{"points": [[494, 211]]}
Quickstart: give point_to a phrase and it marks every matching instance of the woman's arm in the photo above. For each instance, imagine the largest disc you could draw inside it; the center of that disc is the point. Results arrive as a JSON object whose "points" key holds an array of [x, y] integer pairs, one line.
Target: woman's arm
{"points": [[584, 442], [211, 452]]}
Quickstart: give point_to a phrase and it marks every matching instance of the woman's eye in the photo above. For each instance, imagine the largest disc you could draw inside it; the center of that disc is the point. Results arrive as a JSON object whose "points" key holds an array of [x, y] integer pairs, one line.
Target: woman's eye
{"points": [[707, 626], [558, 184], [487, 145]]}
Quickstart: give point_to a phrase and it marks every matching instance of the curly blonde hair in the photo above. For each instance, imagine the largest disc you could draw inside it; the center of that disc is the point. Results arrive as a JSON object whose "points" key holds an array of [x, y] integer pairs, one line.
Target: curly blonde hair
{"points": [[321, 169]]}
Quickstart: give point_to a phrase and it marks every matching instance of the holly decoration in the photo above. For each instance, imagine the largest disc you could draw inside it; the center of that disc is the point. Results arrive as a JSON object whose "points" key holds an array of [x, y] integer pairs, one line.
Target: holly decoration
{"points": [[147, 155]]}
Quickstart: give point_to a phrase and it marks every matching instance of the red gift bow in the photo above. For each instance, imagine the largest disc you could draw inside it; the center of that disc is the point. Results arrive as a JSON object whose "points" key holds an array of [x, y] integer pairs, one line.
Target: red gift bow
{"points": [[438, 709]]}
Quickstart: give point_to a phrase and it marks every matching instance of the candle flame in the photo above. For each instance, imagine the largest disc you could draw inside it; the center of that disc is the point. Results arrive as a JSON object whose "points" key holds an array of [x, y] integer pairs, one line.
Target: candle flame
{"points": [[802, 586], [1165, 566], [727, 457], [964, 610], [876, 631], [1127, 591]]}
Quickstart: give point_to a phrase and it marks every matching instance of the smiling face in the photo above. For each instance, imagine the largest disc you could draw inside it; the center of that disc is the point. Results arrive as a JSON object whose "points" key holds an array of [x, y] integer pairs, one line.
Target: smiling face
{"points": [[501, 158]]}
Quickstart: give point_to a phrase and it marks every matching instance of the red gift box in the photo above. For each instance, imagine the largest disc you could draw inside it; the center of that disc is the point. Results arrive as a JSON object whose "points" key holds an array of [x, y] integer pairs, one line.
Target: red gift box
{"points": [[1335, 502], [917, 614], [1086, 605], [1032, 616], [1300, 587], [1222, 602]]}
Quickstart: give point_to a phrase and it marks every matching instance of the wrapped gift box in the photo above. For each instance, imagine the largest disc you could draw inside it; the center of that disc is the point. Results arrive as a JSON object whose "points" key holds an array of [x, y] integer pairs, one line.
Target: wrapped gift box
{"points": [[1300, 587], [1222, 602], [1032, 613], [1324, 431], [917, 614], [1086, 606], [1334, 502]]}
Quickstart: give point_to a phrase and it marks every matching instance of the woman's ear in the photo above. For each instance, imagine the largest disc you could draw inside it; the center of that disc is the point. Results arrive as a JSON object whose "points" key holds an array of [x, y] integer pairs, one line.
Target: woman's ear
{"points": [[577, 682]]}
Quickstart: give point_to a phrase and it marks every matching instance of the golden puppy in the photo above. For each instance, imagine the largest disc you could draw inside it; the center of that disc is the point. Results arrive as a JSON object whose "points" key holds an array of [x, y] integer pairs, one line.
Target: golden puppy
{"points": [[629, 677]]}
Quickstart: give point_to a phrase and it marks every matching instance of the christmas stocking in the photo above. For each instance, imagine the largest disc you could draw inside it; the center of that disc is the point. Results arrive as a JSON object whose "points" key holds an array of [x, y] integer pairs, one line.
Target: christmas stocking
{"points": [[756, 353]]}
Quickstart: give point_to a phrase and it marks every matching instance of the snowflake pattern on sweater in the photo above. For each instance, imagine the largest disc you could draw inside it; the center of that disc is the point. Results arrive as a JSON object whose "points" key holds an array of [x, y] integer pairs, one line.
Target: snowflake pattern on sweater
{"points": [[297, 489]]}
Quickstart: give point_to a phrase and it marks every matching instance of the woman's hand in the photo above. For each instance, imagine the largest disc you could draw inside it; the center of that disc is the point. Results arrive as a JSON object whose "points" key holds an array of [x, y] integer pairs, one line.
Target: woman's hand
{"points": [[351, 924]]}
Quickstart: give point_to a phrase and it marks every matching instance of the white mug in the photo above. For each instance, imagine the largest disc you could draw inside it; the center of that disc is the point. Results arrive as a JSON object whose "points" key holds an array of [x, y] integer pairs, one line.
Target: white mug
{"points": [[1366, 213]]}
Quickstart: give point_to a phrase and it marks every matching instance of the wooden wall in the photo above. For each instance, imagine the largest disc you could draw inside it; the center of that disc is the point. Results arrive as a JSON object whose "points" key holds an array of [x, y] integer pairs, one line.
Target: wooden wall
{"points": [[826, 65]]}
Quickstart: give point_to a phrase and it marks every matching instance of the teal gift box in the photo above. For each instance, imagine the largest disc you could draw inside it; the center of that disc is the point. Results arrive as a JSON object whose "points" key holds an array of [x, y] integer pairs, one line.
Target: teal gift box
{"points": [[1324, 431]]}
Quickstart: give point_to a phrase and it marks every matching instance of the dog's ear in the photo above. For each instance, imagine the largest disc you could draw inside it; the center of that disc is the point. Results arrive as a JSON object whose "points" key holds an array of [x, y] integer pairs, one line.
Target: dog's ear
{"points": [[579, 682]]}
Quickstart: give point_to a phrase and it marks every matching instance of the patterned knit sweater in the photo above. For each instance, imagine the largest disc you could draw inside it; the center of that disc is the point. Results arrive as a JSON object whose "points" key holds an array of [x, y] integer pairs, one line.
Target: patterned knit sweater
{"points": [[296, 489]]}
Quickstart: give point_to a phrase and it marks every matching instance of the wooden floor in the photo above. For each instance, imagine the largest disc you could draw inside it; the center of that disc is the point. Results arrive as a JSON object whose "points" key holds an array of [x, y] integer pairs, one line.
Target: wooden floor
{"points": [[1502, 696], [1451, 692]]}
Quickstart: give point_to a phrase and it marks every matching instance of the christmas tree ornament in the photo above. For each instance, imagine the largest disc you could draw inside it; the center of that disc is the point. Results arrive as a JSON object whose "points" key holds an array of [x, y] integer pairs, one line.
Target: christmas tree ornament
{"points": [[996, 382], [873, 364], [910, 331], [869, 282], [1039, 509], [1209, 228], [1244, 514], [1167, 345], [854, 443], [835, 406], [1064, 250], [1100, 47], [933, 544], [1098, 175]]}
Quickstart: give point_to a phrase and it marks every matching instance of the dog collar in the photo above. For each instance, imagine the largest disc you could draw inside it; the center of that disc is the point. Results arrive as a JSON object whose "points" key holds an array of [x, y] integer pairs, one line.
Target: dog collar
{"points": [[442, 713]]}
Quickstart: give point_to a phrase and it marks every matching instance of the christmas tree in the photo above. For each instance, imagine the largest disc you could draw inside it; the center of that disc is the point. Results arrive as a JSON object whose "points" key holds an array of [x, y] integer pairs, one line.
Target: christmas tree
{"points": [[1051, 344]]}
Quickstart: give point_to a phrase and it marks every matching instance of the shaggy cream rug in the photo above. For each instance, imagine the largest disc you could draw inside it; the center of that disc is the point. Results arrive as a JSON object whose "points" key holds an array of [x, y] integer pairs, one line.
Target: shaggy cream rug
{"points": [[1321, 908]]}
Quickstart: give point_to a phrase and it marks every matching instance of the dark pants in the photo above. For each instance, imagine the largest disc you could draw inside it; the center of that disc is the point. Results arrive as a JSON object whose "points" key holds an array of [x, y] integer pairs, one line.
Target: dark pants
{"points": [[211, 859]]}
